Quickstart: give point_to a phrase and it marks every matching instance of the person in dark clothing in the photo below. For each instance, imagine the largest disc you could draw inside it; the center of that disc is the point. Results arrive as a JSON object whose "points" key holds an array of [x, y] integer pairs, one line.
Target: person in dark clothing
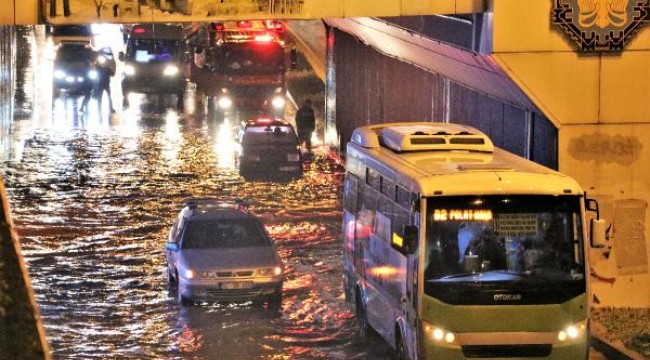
{"points": [[104, 84], [306, 123]]}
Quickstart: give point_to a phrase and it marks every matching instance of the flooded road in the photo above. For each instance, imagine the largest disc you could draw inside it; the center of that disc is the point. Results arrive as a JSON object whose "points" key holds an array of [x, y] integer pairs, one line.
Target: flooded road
{"points": [[93, 196]]}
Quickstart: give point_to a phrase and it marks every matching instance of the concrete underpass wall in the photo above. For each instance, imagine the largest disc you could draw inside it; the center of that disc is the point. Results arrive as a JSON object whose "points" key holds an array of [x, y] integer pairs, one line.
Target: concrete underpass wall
{"points": [[369, 88], [7, 59], [21, 332], [599, 101]]}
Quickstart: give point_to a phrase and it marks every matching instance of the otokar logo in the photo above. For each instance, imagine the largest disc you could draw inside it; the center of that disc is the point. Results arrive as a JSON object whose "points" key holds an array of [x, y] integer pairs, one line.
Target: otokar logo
{"points": [[507, 297], [601, 25]]}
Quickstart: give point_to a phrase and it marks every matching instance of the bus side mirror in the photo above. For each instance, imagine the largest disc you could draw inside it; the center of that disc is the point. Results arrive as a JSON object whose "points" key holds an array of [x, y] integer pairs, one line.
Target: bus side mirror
{"points": [[597, 226], [171, 246], [408, 242], [598, 233], [121, 56]]}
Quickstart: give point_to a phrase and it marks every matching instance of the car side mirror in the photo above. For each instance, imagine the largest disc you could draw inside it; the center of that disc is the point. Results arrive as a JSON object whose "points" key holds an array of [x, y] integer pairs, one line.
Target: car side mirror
{"points": [[171, 246], [121, 56]]}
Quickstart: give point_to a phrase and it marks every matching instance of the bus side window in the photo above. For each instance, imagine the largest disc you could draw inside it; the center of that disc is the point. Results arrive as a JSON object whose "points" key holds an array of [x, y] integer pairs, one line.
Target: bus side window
{"points": [[351, 193]]}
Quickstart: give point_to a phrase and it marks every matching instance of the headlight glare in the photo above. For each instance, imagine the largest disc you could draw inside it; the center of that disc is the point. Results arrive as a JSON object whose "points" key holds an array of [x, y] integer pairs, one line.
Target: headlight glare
{"points": [[278, 102], [572, 332], [170, 70], [225, 102], [92, 74], [439, 334], [189, 274], [59, 74], [129, 70]]}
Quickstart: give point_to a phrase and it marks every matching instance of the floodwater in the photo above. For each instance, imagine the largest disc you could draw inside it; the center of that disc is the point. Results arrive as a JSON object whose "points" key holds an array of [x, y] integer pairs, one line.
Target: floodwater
{"points": [[93, 196]]}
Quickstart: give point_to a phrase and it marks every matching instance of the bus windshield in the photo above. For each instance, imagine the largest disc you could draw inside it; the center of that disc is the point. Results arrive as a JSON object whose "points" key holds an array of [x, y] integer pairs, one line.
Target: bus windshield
{"points": [[500, 240]]}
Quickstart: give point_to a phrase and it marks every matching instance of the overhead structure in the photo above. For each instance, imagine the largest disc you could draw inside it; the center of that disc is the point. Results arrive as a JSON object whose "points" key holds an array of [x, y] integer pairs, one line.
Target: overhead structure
{"points": [[25, 12]]}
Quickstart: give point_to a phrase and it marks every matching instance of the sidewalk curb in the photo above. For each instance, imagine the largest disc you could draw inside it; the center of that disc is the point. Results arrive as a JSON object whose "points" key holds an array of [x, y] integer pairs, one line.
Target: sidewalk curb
{"points": [[608, 350]]}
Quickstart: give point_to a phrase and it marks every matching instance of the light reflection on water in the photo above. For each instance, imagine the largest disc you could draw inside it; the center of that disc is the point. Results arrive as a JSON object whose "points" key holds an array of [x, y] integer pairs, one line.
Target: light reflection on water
{"points": [[93, 205]]}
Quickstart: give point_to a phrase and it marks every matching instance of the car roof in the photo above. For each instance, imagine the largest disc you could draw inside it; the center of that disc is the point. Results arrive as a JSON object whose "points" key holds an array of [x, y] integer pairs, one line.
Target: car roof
{"points": [[213, 209], [266, 121], [72, 46]]}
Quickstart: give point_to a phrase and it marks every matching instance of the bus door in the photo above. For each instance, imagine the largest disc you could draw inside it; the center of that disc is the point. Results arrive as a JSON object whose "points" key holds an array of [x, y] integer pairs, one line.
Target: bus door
{"points": [[412, 294]]}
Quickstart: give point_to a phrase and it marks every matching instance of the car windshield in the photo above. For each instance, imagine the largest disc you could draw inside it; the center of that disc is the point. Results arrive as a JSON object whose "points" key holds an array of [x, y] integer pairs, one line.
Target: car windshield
{"points": [[504, 239], [72, 30], [154, 51], [259, 135], [223, 233], [70, 54]]}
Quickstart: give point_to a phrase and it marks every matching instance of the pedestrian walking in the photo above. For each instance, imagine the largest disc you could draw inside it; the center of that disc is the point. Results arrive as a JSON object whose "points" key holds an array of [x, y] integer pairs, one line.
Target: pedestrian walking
{"points": [[105, 71], [306, 123]]}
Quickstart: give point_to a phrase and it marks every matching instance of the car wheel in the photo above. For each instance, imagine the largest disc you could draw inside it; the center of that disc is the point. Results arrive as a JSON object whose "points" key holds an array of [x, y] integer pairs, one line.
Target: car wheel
{"points": [[172, 281], [184, 300]]}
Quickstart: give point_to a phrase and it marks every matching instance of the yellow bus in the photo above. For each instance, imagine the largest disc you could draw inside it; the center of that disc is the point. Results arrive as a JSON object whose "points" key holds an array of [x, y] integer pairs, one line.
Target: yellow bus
{"points": [[456, 249]]}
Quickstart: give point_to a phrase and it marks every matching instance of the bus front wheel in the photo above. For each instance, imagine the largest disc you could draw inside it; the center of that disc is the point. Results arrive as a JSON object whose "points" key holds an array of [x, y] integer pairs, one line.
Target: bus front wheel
{"points": [[362, 317], [400, 349]]}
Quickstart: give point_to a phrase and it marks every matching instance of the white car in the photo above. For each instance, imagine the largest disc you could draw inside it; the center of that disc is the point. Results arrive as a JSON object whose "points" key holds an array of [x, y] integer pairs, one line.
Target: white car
{"points": [[222, 252]]}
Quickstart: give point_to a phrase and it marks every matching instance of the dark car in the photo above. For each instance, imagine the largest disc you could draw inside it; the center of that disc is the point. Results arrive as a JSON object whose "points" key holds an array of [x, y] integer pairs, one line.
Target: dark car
{"points": [[221, 251], [268, 149], [74, 69]]}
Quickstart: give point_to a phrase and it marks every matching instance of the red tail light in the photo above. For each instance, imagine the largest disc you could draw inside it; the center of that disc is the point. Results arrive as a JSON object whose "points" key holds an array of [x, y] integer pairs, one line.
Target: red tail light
{"points": [[139, 31]]}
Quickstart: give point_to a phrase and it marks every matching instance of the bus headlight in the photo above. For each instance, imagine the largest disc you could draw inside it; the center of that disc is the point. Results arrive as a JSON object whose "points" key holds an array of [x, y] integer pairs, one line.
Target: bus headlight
{"points": [[170, 70], [59, 74], [225, 102], [92, 75], [129, 70], [438, 334], [278, 102], [572, 332]]}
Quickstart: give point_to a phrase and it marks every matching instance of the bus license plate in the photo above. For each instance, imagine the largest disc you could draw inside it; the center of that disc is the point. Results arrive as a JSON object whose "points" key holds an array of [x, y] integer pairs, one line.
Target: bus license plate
{"points": [[236, 285], [287, 168]]}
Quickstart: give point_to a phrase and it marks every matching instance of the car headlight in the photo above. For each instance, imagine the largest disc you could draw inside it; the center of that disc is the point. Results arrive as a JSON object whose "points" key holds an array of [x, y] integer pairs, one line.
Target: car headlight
{"points": [[190, 274], [293, 157], [277, 90], [59, 74], [573, 332], [278, 102], [69, 79], [129, 70], [225, 102], [101, 60], [438, 334], [274, 271], [170, 70], [93, 75]]}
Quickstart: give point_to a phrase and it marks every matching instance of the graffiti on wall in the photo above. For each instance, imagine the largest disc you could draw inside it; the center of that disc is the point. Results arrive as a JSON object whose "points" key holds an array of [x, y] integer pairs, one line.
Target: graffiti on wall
{"points": [[619, 149], [600, 25]]}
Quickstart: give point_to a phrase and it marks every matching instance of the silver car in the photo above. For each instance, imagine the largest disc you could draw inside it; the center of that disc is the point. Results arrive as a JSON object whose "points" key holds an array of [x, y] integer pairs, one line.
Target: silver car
{"points": [[222, 252]]}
